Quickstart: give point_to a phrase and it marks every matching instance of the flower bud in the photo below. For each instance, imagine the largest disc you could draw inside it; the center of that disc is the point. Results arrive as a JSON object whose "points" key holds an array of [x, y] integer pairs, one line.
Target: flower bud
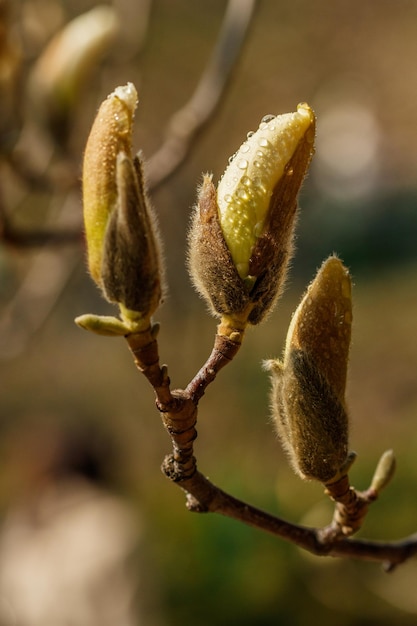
{"points": [[122, 241], [110, 134], [241, 235], [245, 190], [384, 472], [66, 63], [308, 396]]}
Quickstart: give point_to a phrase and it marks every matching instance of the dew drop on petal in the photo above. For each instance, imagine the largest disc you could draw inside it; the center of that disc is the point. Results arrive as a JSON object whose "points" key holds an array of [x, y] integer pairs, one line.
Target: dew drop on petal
{"points": [[242, 164], [242, 193], [264, 143], [267, 118]]}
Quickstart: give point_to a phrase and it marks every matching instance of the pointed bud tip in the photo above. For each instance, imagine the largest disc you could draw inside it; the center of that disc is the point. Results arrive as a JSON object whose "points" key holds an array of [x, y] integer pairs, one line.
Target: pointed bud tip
{"points": [[321, 325], [128, 95]]}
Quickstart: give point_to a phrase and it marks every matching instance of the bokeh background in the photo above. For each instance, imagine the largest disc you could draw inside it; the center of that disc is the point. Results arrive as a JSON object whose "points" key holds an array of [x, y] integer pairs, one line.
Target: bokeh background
{"points": [[72, 404]]}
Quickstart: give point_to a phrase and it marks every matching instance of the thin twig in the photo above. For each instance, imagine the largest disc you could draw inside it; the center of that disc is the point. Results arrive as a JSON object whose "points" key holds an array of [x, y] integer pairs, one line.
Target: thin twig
{"points": [[223, 352], [186, 122], [179, 409], [203, 496]]}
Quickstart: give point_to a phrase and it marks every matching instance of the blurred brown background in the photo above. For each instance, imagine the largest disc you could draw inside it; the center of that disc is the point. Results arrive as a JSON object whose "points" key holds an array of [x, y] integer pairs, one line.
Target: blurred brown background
{"points": [[65, 390]]}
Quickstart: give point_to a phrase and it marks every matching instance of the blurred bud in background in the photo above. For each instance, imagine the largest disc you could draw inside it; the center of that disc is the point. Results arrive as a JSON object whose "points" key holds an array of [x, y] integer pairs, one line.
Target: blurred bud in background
{"points": [[66, 63]]}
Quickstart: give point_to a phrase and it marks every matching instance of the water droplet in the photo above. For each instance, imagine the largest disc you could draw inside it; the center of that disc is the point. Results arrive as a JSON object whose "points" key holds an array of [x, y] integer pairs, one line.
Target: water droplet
{"points": [[250, 134], [257, 164], [245, 180], [264, 143], [242, 193], [244, 148], [242, 164], [260, 154], [267, 118], [228, 198], [260, 188]]}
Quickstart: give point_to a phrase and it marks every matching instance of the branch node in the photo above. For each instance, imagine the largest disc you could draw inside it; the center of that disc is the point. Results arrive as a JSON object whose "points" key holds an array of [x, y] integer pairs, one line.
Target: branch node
{"points": [[194, 505], [177, 471]]}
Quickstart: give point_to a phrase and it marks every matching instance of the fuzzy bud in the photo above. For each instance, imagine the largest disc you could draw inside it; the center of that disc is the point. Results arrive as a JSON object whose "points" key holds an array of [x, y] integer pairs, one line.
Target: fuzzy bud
{"points": [[308, 396], [241, 235], [122, 241]]}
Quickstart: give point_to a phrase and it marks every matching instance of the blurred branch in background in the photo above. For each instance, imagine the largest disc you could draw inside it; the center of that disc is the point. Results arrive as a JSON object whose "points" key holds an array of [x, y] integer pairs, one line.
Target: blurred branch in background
{"points": [[185, 123], [43, 97]]}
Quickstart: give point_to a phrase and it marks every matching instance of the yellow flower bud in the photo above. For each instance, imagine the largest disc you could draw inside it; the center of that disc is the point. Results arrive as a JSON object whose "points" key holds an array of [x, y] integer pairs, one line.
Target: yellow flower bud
{"points": [[322, 324], [245, 190], [122, 238], [241, 235], [308, 396], [111, 134]]}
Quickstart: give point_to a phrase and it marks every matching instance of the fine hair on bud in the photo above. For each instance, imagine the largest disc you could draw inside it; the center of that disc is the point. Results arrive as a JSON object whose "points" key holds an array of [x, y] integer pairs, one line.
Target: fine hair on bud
{"points": [[210, 264], [308, 385], [131, 266], [311, 420]]}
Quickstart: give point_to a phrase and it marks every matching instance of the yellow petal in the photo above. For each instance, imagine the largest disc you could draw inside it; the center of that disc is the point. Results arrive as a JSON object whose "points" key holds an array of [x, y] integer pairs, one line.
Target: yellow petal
{"points": [[111, 134], [245, 190]]}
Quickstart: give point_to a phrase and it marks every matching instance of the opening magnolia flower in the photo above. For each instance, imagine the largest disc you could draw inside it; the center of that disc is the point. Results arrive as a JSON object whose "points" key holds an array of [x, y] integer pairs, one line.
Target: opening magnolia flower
{"points": [[241, 234]]}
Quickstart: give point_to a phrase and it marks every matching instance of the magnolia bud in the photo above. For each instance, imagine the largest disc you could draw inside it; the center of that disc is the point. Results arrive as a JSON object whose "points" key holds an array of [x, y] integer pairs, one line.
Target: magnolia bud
{"points": [[308, 395], [241, 235], [122, 242], [245, 190], [67, 61]]}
